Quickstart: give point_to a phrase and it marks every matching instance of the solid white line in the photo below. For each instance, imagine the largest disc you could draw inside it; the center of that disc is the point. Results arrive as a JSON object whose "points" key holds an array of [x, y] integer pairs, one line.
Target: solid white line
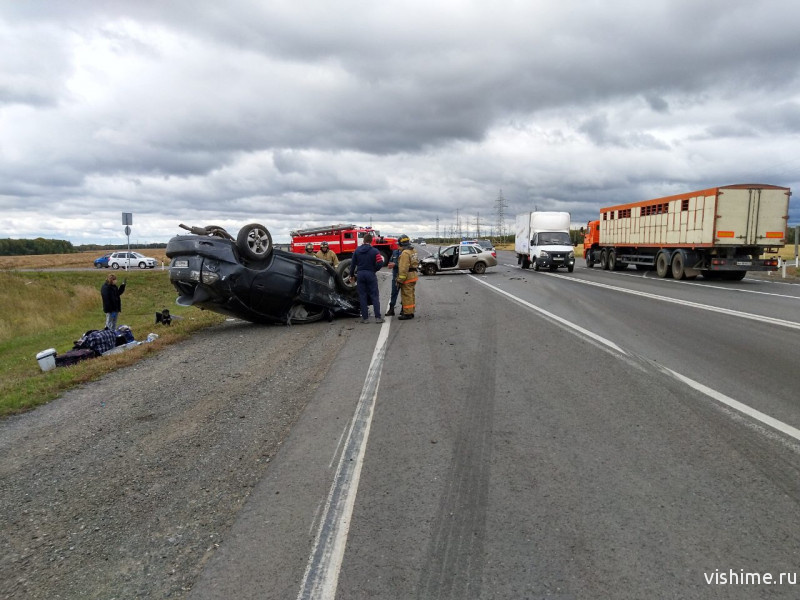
{"points": [[550, 315], [736, 405], [708, 307], [711, 393], [322, 570]]}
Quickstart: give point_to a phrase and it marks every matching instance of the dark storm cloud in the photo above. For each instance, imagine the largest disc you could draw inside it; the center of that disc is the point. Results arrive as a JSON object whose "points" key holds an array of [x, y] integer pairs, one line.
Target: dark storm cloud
{"points": [[317, 111]]}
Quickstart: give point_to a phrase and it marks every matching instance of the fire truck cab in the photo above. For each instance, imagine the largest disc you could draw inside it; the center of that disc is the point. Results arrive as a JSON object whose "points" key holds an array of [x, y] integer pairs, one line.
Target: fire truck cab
{"points": [[343, 239]]}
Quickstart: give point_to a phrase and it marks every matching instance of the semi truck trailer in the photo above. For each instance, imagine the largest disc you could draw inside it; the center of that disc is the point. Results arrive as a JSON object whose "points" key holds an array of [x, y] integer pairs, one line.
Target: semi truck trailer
{"points": [[721, 233]]}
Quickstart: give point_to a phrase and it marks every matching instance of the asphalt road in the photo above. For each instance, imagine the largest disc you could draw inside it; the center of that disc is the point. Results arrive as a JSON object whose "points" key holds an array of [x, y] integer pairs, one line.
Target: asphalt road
{"points": [[532, 435]]}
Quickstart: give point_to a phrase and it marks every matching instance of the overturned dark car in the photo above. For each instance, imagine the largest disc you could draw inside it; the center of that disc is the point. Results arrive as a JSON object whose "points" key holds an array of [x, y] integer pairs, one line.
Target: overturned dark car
{"points": [[249, 278]]}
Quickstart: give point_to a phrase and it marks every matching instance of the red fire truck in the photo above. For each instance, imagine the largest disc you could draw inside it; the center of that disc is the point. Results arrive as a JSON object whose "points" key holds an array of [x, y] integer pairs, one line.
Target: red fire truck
{"points": [[342, 239]]}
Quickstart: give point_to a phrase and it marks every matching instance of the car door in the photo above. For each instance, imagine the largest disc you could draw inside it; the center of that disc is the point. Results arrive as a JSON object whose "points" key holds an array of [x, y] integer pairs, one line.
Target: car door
{"points": [[468, 258], [448, 259]]}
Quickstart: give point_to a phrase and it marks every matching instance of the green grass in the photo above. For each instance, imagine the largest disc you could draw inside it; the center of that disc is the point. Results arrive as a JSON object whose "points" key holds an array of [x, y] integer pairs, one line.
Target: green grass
{"points": [[40, 310]]}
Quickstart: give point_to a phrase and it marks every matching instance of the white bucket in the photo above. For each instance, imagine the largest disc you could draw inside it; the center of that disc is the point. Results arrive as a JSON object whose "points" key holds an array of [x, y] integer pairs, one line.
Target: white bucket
{"points": [[47, 359]]}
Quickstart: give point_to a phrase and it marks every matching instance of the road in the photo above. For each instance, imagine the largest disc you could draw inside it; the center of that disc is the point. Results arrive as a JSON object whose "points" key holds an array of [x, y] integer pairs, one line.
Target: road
{"points": [[529, 435]]}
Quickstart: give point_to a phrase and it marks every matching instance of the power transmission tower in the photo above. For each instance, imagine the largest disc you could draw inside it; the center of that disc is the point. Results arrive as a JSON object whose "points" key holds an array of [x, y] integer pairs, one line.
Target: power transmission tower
{"points": [[500, 206]]}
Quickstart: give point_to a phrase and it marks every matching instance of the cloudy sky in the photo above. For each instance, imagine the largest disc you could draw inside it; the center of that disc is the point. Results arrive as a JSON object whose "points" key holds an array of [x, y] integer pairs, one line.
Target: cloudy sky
{"points": [[295, 113]]}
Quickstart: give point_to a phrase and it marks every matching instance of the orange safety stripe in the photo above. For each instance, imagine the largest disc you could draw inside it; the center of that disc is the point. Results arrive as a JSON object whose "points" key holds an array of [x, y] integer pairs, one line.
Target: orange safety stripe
{"points": [[409, 305], [409, 280]]}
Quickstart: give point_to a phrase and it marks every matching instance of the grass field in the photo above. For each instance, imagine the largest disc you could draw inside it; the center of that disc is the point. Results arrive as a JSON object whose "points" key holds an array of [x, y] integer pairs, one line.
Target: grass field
{"points": [[71, 261], [52, 309]]}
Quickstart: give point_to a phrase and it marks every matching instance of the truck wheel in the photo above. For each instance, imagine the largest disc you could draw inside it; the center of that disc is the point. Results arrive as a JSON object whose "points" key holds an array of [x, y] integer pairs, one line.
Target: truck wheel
{"points": [[663, 268], [254, 242], [612, 261], [678, 271], [525, 262], [604, 259], [589, 261], [536, 265], [479, 268]]}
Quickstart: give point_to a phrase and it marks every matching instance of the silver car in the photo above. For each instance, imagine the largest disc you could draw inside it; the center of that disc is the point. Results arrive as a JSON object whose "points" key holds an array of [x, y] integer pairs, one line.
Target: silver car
{"points": [[459, 257], [127, 260]]}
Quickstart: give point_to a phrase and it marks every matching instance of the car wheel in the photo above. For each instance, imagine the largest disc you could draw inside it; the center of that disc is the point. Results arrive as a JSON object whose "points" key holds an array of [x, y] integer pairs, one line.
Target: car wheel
{"points": [[142, 265], [535, 265], [571, 268], [343, 275], [429, 270], [254, 242], [479, 268], [98, 266], [115, 266]]}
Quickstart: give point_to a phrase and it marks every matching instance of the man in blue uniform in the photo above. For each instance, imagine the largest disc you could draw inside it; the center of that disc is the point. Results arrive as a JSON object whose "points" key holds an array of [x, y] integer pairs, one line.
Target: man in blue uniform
{"points": [[367, 260]]}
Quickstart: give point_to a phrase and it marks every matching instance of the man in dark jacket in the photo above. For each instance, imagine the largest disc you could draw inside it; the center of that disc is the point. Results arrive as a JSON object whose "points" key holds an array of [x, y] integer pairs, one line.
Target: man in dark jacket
{"points": [[367, 260], [112, 305]]}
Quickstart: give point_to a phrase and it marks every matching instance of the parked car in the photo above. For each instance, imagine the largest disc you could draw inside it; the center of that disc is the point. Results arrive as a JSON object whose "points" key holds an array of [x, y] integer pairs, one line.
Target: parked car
{"points": [[459, 257], [102, 261], [127, 260], [485, 244], [247, 277]]}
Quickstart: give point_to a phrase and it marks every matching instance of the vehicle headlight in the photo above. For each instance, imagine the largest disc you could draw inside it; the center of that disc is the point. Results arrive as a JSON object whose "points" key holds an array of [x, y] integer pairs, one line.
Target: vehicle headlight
{"points": [[544, 254], [571, 255]]}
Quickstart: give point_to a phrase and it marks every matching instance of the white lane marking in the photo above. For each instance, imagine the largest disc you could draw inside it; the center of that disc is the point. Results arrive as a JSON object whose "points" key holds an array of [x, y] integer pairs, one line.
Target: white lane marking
{"points": [[708, 307], [711, 393], [714, 287], [555, 317], [322, 570]]}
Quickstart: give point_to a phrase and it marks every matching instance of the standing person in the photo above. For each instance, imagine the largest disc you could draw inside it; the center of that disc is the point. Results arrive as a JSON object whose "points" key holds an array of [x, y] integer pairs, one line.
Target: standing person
{"points": [[395, 288], [327, 254], [112, 305], [310, 250], [407, 277], [368, 260]]}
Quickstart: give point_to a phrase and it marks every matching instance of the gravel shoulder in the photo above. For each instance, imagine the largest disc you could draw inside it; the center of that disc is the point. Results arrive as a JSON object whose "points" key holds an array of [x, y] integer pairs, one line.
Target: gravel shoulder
{"points": [[125, 487]]}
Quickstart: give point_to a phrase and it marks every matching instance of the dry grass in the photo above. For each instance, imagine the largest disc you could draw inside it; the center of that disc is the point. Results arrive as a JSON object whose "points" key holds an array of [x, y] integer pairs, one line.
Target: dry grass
{"points": [[52, 309], [70, 261]]}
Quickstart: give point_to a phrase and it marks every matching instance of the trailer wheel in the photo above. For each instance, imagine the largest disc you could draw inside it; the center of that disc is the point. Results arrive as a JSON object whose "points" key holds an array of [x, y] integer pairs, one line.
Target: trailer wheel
{"points": [[663, 268], [678, 266]]}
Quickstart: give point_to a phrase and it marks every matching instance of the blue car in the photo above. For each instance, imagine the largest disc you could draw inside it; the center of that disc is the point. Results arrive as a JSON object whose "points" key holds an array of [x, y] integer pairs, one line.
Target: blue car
{"points": [[102, 262]]}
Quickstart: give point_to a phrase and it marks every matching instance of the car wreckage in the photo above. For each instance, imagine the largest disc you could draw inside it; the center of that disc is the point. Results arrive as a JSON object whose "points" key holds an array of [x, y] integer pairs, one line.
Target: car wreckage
{"points": [[248, 278]]}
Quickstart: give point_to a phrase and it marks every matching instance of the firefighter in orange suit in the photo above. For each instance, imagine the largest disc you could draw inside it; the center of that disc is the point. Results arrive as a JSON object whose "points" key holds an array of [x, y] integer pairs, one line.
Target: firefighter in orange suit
{"points": [[408, 263]]}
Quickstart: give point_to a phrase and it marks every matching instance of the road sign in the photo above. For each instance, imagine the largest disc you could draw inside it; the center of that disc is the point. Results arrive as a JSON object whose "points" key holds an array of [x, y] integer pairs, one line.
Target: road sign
{"points": [[127, 218], [127, 230]]}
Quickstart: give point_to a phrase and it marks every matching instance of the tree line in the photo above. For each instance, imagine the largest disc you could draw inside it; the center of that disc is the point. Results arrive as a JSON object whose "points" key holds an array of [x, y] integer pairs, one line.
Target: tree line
{"points": [[10, 247]]}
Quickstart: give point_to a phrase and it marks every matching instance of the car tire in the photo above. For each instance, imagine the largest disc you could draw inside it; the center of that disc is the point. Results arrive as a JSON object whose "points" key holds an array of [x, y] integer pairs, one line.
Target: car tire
{"points": [[115, 266], [429, 270], [97, 266], [254, 242], [343, 274], [570, 268], [479, 268], [142, 265]]}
